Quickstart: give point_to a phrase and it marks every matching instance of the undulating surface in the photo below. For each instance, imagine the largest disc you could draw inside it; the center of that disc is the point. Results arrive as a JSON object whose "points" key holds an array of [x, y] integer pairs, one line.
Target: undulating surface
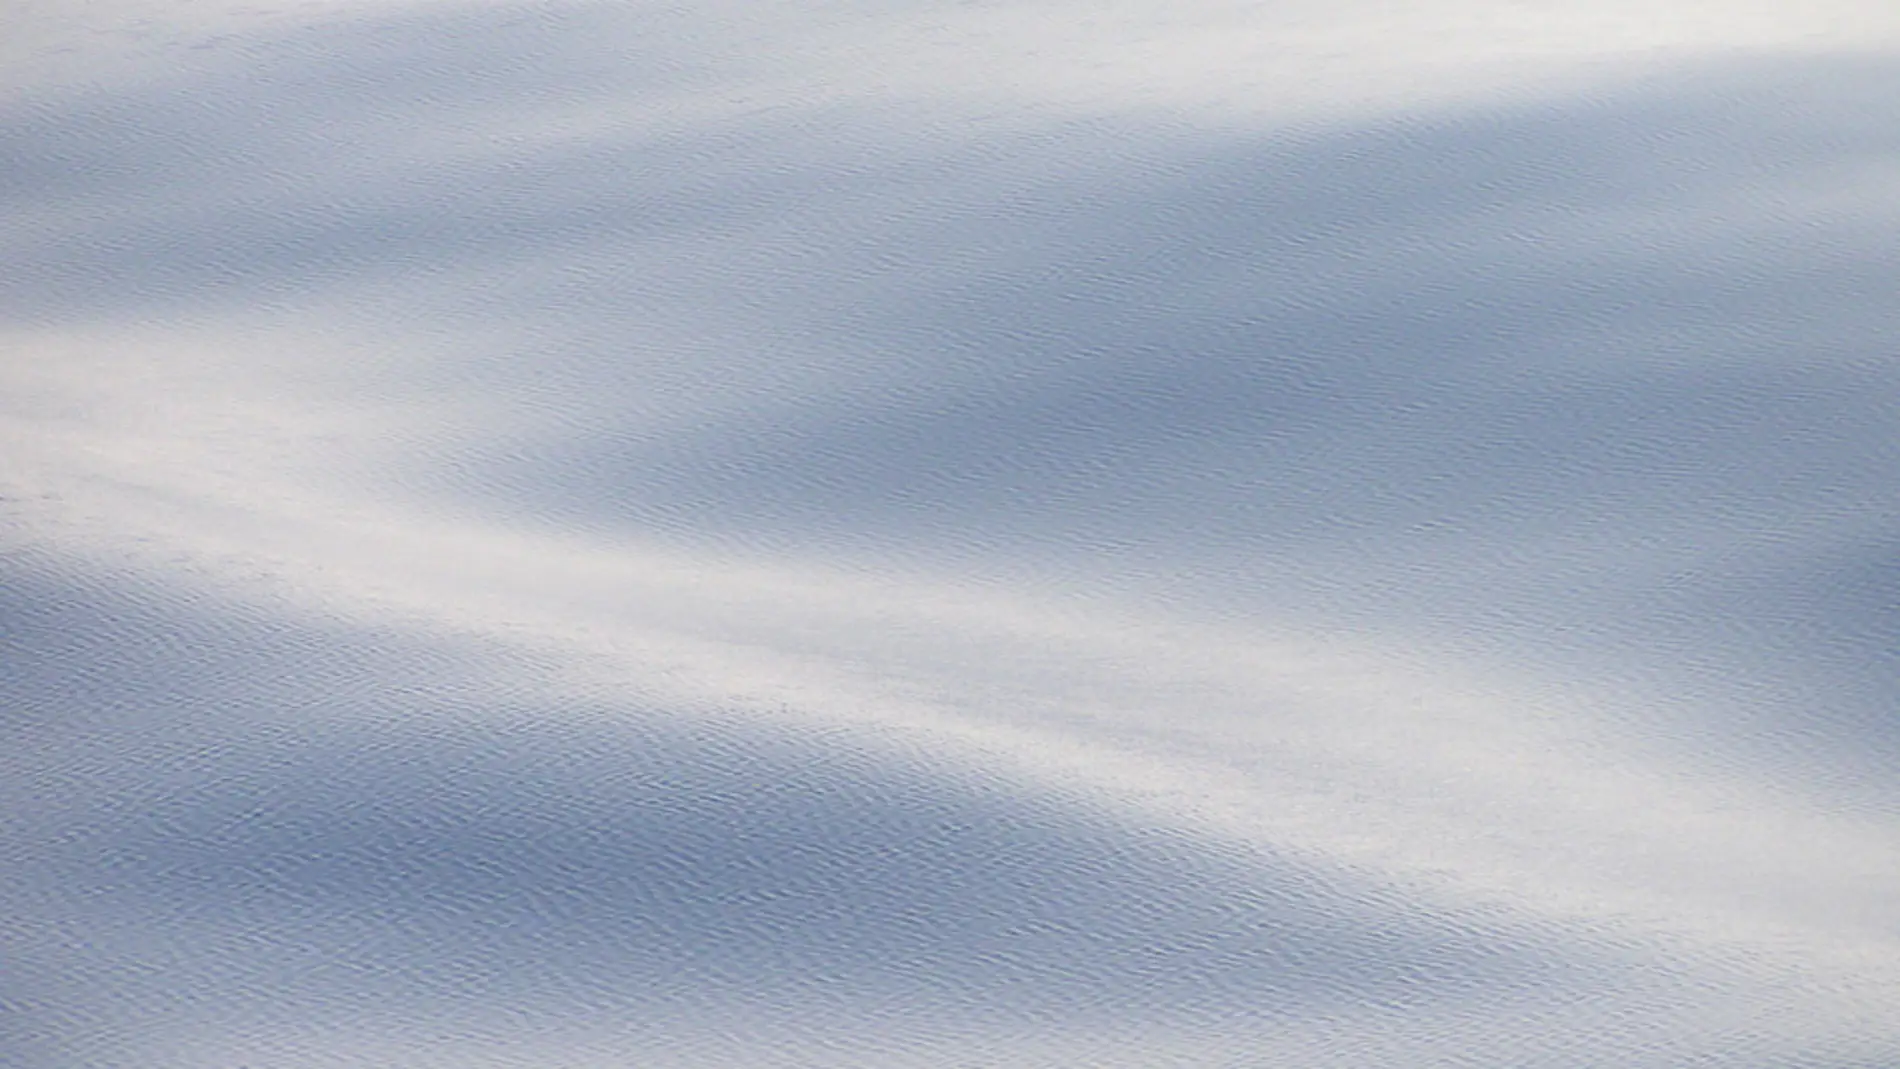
{"points": [[950, 534]]}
